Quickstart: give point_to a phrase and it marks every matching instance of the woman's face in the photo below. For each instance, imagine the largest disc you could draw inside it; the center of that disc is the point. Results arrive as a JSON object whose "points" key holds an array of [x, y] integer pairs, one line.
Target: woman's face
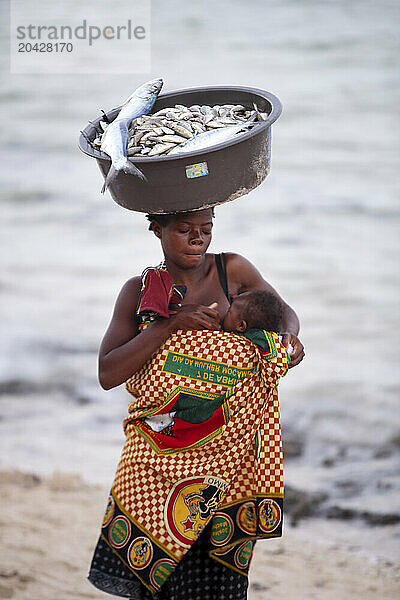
{"points": [[186, 237]]}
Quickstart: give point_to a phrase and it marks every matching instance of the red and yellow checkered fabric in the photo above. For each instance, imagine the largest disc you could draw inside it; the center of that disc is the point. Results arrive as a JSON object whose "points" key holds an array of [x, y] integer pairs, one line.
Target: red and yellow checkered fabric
{"points": [[162, 492]]}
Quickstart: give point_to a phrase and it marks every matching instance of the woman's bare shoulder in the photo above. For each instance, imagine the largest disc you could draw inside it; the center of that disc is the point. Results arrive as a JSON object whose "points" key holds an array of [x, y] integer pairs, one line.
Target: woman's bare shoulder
{"points": [[234, 259], [243, 273], [237, 262], [123, 325], [129, 295], [133, 284]]}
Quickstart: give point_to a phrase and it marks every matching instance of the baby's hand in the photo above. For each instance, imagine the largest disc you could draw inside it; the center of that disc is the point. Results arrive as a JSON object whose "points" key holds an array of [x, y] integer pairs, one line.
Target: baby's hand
{"points": [[294, 347], [289, 346]]}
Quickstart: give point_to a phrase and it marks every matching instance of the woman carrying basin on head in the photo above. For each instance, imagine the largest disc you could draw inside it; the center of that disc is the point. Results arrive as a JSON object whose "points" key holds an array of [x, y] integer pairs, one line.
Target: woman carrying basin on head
{"points": [[190, 292]]}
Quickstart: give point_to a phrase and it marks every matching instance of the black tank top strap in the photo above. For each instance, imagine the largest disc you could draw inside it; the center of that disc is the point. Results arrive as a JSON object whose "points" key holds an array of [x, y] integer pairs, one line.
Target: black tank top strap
{"points": [[220, 262]]}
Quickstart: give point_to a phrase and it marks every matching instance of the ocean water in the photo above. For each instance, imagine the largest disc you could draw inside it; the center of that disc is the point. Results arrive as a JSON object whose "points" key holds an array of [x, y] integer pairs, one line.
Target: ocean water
{"points": [[323, 229]]}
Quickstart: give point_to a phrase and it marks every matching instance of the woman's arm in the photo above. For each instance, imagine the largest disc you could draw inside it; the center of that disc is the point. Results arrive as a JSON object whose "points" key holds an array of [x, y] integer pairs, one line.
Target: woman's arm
{"points": [[243, 274], [123, 352]]}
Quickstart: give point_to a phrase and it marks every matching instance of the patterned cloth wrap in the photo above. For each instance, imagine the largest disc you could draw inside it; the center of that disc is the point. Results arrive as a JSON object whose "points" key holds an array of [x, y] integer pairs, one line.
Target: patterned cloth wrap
{"points": [[203, 443]]}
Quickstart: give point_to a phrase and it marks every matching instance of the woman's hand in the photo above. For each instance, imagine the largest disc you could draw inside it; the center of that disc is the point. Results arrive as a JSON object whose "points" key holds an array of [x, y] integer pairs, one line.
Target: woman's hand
{"points": [[195, 316], [294, 347]]}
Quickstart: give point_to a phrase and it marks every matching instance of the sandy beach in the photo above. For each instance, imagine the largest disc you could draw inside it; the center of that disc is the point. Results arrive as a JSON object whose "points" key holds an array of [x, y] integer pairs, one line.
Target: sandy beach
{"points": [[49, 527]]}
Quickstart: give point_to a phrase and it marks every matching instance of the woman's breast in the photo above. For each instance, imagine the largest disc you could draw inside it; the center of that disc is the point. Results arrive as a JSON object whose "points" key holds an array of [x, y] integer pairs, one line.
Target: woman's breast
{"points": [[207, 298], [208, 291]]}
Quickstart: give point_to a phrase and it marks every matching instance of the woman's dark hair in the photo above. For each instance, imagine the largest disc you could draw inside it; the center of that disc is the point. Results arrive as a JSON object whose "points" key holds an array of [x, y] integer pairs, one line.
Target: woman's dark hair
{"points": [[263, 311], [161, 219], [164, 219]]}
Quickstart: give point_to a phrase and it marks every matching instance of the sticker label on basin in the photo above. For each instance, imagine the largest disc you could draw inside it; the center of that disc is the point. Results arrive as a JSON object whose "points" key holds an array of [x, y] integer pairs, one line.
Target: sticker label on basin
{"points": [[197, 170]]}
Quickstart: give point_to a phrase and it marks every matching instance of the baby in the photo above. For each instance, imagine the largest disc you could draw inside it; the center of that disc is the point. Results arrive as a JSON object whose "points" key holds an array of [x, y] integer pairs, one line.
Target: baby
{"points": [[249, 314], [253, 310]]}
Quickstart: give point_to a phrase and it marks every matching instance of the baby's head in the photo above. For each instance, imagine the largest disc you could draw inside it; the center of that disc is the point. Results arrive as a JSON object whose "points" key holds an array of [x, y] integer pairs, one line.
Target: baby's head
{"points": [[254, 310]]}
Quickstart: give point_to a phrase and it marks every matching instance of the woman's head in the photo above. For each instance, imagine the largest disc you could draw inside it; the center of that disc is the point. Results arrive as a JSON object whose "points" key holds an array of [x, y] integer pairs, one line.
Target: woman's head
{"points": [[185, 237]]}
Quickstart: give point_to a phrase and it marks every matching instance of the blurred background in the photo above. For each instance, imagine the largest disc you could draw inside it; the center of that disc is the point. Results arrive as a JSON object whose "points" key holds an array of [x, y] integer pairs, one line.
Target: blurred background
{"points": [[322, 228]]}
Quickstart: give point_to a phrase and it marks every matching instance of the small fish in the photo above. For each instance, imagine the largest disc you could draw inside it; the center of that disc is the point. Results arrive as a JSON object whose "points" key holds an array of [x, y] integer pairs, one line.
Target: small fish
{"points": [[160, 149], [198, 128], [137, 137], [161, 112], [223, 112], [215, 124], [227, 121], [146, 137], [208, 117], [175, 139], [211, 138], [172, 114], [180, 129], [167, 130], [115, 138], [132, 150]]}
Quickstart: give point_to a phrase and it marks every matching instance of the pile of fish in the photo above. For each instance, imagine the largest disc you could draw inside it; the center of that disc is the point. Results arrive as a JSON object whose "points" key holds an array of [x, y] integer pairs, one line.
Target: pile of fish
{"points": [[170, 131]]}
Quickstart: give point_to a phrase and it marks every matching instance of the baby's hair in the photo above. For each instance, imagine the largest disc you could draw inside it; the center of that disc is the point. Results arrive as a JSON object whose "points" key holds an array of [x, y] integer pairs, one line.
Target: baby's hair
{"points": [[164, 219], [263, 310]]}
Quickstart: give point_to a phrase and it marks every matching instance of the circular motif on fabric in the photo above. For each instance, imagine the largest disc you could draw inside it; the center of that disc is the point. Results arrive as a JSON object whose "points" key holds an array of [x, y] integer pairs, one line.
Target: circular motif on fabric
{"points": [[108, 515], [190, 504], [243, 555], [119, 532], [140, 553], [246, 518], [161, 570], [222, 529], [270, 514]]}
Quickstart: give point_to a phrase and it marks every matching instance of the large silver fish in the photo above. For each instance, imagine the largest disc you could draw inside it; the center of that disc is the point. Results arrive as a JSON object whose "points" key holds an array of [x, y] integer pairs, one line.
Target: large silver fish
{"points": [[211, 138], [115, 138]]}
